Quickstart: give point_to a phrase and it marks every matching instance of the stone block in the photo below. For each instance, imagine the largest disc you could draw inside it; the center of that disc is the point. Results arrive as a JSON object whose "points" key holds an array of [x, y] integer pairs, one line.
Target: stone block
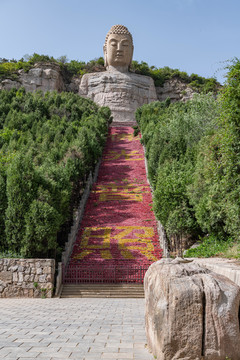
{"points": [[42, 278], [6, 276], [191, 312], [30, 293], [20, 276], [26, 277], [27, 270], [47, 270], [15, 277], [39, 271], [50, 278], [25, 292], [13, 268]]}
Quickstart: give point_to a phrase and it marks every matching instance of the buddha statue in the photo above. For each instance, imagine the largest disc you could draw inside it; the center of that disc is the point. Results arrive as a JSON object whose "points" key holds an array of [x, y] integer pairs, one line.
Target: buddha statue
{"points": [[116, 87]]}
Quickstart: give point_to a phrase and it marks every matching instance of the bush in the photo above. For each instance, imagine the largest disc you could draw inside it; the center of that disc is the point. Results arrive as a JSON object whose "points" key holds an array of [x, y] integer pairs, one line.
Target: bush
{"points": [[161, 75], [171, 134], [210, 246], [216, 182], [48, 145], [193, 153]]}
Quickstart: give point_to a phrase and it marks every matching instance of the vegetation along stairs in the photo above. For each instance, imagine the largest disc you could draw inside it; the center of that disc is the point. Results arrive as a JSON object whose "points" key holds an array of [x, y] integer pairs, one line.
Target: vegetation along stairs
{"points": [[118, 238]]}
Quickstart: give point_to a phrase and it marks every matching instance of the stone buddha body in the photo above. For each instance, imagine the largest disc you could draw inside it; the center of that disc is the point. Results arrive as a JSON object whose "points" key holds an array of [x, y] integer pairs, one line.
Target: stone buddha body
{"points": [[116, 87]]}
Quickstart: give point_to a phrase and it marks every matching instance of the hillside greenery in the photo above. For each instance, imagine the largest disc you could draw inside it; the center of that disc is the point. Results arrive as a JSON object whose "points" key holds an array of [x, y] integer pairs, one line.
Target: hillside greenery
{"points": [[49, 143], [215, 189], [193, 152], [9, 68]]}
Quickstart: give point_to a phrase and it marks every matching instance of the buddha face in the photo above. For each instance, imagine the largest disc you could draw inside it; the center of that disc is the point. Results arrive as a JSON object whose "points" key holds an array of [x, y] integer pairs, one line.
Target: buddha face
{"points": [[119, 50]]}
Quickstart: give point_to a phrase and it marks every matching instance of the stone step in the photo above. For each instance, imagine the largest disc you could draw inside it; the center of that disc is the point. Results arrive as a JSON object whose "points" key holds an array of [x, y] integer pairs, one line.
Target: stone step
{"points": [[106, 292], [100, 296], [103, 290], [106, 285]]}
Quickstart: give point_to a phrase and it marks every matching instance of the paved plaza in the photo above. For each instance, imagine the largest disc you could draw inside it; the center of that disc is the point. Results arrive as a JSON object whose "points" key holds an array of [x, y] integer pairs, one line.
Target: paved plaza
{"points": [[76, 329]]}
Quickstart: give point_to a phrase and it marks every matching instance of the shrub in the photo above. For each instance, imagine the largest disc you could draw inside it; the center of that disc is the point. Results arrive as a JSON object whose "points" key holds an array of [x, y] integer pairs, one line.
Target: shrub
{"points": [[171, 134], [216, 182], [48, 145]]}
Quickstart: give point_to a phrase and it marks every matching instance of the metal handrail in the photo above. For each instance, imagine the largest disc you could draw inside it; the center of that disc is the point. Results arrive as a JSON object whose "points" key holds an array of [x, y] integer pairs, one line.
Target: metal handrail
{"points": [[76, 274]]}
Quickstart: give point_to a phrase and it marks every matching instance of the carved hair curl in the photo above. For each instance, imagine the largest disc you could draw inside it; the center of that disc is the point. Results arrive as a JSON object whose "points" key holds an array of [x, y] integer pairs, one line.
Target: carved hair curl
{"points": [[120, 30]]}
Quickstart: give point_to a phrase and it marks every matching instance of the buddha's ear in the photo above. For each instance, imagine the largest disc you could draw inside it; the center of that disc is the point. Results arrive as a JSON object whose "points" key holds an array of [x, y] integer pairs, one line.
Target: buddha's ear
{"points": [[105, 55], [131, 56]]}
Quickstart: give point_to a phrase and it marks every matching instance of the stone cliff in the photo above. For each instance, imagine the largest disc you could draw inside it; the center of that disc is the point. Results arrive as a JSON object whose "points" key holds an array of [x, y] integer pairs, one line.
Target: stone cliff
{"points": [[43, 76], [176, 90], [49, 77]]}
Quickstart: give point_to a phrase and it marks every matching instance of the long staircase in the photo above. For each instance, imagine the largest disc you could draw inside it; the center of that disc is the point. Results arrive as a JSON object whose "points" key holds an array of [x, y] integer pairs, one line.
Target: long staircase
{"points": [[118, 238]]}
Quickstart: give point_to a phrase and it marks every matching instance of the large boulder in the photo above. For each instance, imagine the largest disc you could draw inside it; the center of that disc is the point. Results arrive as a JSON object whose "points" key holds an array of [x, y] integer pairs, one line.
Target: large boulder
{"points": [[191, 312]]}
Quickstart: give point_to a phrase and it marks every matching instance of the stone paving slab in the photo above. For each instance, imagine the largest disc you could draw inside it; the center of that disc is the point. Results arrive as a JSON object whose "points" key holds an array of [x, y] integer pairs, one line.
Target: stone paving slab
{"points": [[76, 329]]}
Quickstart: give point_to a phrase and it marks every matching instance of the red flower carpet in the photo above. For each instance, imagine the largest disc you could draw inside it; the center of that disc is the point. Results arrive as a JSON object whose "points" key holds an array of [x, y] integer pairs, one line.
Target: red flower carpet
{"points": [[119, 227]]}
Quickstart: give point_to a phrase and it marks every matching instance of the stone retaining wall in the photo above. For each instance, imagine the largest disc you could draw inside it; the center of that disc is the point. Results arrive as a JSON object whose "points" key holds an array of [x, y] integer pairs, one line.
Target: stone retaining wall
{"points": [[26, 278]]}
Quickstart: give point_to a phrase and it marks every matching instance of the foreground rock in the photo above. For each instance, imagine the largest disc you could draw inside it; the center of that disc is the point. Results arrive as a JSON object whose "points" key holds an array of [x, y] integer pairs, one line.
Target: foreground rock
{"points": [[191, 312], [226, 267]]}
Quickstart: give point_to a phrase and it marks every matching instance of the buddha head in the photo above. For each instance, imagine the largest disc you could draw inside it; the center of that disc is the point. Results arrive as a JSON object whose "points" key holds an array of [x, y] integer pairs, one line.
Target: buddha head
{"points": [[118, 48]]}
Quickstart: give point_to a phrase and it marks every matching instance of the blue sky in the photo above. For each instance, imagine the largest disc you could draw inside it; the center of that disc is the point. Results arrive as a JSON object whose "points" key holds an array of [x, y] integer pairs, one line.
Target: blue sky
{"points": [[196, 36]]}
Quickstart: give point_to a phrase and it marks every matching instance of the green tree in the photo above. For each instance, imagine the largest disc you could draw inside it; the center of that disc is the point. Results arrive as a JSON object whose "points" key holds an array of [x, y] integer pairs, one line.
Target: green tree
{"points": [[42, 223], [216, 186], [20, 189], [3, 207], [48, 145], [171, 134]]}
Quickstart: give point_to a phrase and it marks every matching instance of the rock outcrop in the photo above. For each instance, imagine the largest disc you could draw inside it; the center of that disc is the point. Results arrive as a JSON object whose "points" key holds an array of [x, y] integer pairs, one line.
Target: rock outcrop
{"points": [[43, 76], [176, 90], [191, 312]]}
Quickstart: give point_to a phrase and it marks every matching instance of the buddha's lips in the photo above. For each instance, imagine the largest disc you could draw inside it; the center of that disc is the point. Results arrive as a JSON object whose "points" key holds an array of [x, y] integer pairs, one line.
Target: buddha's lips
{"points": [[118, 226]]}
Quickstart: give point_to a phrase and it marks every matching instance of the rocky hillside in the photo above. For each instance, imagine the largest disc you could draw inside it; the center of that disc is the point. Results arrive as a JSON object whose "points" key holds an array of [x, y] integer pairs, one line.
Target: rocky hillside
{"points": [[49, 76], [43, 76]]}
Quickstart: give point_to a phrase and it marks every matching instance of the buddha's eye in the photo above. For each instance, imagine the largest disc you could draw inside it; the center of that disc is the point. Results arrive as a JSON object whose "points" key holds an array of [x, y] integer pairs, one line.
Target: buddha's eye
{"points": [[125, 43], [113, 43]]}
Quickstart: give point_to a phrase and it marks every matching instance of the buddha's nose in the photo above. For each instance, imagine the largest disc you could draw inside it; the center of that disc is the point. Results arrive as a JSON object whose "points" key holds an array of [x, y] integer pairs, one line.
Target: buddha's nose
{"points": [[119, 47]]}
